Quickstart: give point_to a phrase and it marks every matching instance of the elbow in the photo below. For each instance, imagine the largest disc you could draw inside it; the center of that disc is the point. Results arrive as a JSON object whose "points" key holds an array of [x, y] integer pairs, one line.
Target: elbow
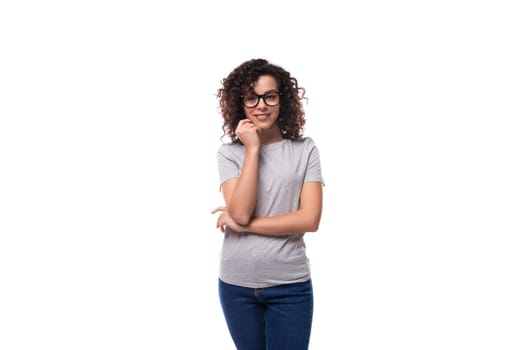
{"points": [[240, 219], [310, 221], [313, 223], [243, 221], [313, 226]]}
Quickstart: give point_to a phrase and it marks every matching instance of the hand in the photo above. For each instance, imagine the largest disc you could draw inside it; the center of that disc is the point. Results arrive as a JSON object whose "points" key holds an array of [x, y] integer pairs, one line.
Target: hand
{"points": [[226, 220], [248, 133]]}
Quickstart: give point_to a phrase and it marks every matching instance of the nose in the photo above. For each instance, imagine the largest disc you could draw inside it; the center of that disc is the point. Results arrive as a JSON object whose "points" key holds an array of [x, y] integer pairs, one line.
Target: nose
{"points": [[260, 104]]}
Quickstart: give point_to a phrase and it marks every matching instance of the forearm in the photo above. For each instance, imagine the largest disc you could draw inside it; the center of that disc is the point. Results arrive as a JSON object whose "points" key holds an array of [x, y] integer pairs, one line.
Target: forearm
{"points": [[296, 222], [241, 203]]}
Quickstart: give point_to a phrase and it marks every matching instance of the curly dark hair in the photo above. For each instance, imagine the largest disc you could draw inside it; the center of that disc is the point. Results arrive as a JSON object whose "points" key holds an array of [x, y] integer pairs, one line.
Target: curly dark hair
{"points": [[291, 114]]}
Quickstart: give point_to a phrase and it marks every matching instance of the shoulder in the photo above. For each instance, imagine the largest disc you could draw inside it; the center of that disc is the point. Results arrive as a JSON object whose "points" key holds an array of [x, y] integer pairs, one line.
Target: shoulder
{"points": [[230, 149], [304, 143]]}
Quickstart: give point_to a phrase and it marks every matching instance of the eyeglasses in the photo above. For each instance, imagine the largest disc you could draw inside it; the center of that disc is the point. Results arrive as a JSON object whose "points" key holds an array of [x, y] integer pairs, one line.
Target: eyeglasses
{"points": [[251, 100]]}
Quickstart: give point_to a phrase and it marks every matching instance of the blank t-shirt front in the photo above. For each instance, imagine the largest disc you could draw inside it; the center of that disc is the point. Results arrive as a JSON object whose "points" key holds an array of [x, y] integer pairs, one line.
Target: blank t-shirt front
{"points": [[254, 260]]}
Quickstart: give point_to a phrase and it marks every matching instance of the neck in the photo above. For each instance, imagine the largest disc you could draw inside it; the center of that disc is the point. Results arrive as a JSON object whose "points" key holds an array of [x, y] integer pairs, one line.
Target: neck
{"points": [[271, 135]]}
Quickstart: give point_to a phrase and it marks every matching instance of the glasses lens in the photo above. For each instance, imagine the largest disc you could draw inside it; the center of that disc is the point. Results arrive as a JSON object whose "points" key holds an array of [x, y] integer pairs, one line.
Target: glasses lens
{"points": [[250, 100], [271, 99]]}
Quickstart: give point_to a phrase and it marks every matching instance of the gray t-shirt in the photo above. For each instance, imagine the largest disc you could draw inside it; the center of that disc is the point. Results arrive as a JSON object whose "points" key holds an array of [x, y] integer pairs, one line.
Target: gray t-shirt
{"points": [[258, 261]]}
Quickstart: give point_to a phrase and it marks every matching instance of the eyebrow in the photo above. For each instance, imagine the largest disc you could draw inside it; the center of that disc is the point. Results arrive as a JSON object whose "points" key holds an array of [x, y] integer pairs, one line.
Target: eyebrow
{"points": [[252, 91]]}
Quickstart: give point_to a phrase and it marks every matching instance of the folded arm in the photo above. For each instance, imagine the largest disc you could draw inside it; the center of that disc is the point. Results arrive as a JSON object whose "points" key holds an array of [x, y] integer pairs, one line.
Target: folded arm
{"points": [[240, 193], [305, 219]]}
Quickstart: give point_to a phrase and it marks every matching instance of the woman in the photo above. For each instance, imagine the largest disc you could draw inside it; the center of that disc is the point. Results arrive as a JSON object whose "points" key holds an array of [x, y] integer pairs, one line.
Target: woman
{"points": [[271, 181]]}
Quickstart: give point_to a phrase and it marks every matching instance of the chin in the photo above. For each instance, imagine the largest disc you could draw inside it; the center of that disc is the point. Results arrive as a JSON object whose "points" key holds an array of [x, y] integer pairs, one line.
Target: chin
{"points": [[265, 126]]}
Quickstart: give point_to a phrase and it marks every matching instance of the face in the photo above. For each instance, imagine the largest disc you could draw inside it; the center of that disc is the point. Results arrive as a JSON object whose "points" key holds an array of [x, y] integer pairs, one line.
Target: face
{"points": [[263, 115]]}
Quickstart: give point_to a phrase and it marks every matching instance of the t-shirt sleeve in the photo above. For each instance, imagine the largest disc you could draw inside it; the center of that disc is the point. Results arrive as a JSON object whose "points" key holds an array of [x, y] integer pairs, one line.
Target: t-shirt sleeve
{"points": [[228, 167], [313, 168]]}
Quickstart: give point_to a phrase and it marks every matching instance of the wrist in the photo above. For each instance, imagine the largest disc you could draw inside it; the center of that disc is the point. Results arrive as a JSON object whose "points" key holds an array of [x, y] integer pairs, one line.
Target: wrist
{"points": [[254, 149]]}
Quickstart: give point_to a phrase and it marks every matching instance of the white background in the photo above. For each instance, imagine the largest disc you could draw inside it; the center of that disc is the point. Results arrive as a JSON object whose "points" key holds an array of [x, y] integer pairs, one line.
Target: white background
{"points": [[108, 137]]}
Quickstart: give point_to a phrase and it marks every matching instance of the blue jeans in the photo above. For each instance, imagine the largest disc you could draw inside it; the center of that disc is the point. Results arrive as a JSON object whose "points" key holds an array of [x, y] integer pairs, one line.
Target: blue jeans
{"points": [[273, 318]]}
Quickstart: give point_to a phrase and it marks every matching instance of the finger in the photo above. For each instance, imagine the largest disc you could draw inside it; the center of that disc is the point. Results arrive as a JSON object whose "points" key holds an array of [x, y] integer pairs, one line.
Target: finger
{"points": [[218, 209], [242, 123], [248, 129], [220, 225], [245, 122]]}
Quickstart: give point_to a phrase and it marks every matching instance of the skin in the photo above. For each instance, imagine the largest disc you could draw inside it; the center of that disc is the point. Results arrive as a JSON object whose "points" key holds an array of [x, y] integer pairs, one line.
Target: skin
{"points": [[261, 118], [259, 128]]}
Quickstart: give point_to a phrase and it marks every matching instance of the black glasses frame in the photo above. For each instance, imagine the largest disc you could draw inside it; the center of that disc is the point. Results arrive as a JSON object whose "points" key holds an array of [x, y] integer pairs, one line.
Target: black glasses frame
{"points": [[263, 96]]}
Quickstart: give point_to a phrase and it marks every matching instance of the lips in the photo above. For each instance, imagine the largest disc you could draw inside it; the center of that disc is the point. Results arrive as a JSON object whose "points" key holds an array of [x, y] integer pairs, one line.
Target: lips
{"points": [[262, 116]]}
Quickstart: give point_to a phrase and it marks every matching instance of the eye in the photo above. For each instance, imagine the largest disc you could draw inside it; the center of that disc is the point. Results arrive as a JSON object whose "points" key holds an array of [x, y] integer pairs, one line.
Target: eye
{"points": [[250, 99], [271, 97]]}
